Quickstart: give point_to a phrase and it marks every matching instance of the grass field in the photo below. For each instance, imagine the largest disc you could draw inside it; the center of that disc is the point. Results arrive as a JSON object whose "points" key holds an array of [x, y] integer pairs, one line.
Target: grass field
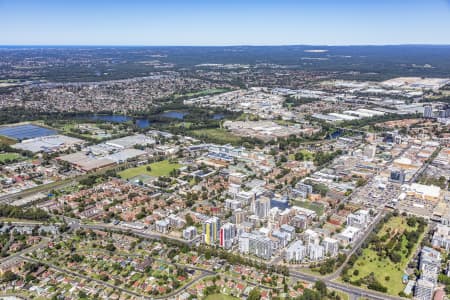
{"points": [[220, 297], [10, 156], [318, 208], [161, 168], [385, 271], [342, 295], [307, 154], [217, 135]]}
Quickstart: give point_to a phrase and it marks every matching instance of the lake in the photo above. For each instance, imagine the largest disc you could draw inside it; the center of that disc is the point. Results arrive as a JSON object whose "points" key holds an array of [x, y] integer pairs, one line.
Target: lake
{"points": [[174, 115], [140, 122]]}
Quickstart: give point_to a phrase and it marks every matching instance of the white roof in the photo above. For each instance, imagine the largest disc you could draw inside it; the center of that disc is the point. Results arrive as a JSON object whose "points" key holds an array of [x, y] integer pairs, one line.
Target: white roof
{"points": [[350, 231], [426, 190]]}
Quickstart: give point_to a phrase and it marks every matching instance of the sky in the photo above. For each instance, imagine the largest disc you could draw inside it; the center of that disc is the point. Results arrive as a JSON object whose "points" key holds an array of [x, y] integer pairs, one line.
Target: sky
{"points": [[224, 22]]}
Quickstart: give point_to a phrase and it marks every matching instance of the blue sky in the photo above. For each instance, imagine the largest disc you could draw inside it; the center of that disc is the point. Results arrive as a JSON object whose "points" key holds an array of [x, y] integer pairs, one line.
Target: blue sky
{"points": [[228, 22]]}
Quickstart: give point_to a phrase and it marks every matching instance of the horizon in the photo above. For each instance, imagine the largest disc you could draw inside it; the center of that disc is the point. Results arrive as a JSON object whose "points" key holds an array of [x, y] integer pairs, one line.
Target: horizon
{"points": [[224, 23], [230, 45]]}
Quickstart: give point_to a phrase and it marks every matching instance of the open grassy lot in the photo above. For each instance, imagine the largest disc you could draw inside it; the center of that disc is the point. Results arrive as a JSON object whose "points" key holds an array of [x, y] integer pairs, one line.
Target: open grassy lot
{"points": [[317, 207], [9, 156], [220, 297], [342, 295], [160, 168], [303, 155], [217, 135], [377, 262]]}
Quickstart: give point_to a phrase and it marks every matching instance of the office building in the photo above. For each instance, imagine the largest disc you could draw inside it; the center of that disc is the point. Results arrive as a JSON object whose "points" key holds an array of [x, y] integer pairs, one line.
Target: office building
{"points": [[397, 176]]}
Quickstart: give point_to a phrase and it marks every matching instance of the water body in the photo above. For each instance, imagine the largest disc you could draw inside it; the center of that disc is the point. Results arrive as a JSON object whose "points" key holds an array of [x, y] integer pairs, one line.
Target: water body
{"points": [[140, 122], [174, 115], [218, 116], [109, 118], [335, 134]]}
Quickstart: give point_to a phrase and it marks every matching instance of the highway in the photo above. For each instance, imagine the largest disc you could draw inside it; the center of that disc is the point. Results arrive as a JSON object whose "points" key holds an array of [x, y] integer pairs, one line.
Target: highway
{"points": [[347, 288]]}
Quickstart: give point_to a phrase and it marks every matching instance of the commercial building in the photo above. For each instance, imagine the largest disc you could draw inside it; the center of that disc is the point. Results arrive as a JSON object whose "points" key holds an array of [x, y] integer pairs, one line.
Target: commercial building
{"points": [[425, 192], [397, 176], [130, 141], [48, 144]]}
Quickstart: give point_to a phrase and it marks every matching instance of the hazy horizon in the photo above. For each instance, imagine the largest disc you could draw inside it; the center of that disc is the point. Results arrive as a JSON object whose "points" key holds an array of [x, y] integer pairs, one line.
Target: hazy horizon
{"points": [[224, 23]]}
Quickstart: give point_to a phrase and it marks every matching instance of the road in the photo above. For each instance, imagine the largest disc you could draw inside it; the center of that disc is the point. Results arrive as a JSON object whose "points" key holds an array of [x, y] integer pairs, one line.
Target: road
{"points": [[39, 189], [424, 166], [357, 245], [65, 271], [350, 289], [40, 245], [58, 184], [353, 291], [139, 233]]}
